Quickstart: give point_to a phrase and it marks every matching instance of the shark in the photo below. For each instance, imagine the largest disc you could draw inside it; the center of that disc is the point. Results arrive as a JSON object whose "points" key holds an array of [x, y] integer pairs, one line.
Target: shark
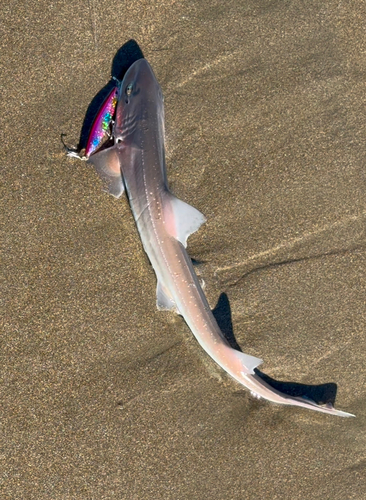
{"points": [[135, 164]]}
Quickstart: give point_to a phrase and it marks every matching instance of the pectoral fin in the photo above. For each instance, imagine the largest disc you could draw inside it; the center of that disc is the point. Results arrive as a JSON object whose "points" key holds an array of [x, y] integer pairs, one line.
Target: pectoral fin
{"points": [[107, 165]]}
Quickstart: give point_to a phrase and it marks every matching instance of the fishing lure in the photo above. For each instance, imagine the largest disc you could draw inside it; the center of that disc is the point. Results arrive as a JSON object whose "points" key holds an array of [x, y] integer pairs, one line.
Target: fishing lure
{"points": [[101, 127], [100, 130]]}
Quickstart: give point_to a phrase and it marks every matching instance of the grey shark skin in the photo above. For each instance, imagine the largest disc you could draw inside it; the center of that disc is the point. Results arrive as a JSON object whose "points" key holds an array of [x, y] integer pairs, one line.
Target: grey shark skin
{"points": [[136, 163]]}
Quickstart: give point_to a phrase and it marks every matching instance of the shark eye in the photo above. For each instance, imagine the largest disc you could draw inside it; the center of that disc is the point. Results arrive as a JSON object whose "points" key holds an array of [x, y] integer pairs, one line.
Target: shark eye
{"points": [[129, 89]]}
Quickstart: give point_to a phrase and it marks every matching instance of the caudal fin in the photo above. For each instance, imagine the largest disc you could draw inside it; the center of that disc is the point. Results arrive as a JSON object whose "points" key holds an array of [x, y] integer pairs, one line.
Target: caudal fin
{"points": [[261, 388]]}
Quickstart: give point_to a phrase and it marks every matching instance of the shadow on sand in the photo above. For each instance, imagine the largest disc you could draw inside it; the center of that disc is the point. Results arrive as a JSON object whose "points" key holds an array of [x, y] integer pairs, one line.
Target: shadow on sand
{"points": [[320, 394], [124, 58]]}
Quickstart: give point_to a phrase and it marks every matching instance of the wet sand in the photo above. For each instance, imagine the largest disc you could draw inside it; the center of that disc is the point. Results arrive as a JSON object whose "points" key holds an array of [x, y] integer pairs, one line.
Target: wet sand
{"points": [[104, 397]]}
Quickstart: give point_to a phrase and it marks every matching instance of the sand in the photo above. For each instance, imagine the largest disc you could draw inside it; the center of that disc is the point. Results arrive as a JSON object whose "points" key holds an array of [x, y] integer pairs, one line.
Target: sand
{"points": [[104, 397]]}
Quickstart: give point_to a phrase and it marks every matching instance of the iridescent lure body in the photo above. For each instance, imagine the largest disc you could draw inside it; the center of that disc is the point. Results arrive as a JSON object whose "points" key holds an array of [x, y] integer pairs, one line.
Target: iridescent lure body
{"points": [[101, 127], [100, 130]]}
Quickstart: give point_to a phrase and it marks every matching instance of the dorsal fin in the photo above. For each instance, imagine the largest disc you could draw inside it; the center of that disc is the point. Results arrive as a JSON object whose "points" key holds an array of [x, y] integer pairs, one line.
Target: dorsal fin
{"points": [[248, 362], [107, 165], [181, 219]]}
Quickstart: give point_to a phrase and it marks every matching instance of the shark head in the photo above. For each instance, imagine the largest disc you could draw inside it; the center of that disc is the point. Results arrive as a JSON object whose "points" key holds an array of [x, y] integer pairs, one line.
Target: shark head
{"points": [[140, 102]]}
